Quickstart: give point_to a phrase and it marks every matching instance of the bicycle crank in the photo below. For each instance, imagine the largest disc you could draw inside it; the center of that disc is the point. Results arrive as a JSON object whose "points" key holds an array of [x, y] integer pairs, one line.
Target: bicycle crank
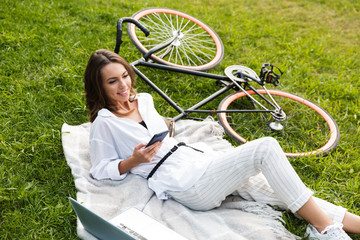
{"points": [[278, 115]]}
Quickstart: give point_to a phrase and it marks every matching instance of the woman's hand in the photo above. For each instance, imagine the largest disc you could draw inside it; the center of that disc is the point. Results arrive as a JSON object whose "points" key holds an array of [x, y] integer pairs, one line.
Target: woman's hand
{"points": [[140, 155], [145, 155]]}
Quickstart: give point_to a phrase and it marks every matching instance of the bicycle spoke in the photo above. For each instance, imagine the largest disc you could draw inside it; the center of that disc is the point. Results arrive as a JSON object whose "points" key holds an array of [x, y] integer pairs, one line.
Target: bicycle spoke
{"points": [[183, 27], [199, 42], [190, 61], [195, 55], [162, 27], [158, 16], [179, 55], [196, 46], [168, 17], [171, 52], [200, 53], [194, 28]]}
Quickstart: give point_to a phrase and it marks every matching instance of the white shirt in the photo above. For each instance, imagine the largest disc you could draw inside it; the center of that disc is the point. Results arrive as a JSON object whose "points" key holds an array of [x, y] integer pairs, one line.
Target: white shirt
{"points": [[113, 139]]}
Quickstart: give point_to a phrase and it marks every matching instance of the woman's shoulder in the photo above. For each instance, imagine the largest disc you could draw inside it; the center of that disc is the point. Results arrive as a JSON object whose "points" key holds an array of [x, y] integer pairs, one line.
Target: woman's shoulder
{"points": [[103, 123], [104, 112], [103, 115]]}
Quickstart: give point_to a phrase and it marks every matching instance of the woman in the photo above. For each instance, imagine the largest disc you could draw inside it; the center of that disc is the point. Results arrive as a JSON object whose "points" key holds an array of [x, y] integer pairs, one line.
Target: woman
{"points": [[124, 121]]}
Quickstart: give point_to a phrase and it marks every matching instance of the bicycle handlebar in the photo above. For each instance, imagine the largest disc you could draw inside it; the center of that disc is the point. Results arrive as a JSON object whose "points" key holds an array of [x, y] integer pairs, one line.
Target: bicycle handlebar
{"points": [[119, 30]]}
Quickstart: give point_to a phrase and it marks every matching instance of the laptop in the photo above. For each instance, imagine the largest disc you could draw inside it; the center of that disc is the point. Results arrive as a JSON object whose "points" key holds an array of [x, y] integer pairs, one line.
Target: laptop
{"points": [[129, 225]]}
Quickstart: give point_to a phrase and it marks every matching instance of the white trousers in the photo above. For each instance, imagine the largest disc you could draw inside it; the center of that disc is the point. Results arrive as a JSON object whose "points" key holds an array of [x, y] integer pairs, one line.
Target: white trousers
{"points": [[234, 171]]}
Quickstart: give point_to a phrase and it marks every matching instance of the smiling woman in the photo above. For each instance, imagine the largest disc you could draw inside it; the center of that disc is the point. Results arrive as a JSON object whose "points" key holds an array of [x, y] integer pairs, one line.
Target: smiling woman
{"points": [[44, 46], [117, 142], [108, 80]]}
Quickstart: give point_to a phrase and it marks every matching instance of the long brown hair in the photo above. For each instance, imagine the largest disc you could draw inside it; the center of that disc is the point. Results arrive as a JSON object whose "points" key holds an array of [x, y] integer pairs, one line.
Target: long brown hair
{"points": [[95, 95]]}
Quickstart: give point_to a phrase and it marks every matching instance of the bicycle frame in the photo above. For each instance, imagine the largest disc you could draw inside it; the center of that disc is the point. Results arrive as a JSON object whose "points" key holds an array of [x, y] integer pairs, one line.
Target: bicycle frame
{"points": [[303, 117], [185, 112], [223, 80]]}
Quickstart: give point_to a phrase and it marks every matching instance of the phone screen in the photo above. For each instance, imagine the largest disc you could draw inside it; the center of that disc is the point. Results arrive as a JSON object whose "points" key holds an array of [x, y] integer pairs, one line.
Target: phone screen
{"points": [[157, 138]]}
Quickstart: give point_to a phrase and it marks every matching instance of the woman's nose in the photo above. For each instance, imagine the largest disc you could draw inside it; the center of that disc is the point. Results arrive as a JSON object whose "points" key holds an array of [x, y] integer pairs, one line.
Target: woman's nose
{"points": [[122, 84]]}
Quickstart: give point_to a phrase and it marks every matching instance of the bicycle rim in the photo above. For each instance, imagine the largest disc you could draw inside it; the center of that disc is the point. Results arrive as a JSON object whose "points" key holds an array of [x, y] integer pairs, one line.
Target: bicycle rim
{"points": [[198, 46], [307, 130]]}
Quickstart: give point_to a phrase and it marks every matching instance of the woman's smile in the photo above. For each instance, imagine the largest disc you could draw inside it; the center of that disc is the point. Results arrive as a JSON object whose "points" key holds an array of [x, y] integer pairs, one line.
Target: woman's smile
{"points": [[124, 92]]}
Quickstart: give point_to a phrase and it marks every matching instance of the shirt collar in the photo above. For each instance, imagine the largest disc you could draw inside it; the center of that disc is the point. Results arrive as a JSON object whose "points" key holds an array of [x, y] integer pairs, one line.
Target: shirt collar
{"points": [[104, 112]]}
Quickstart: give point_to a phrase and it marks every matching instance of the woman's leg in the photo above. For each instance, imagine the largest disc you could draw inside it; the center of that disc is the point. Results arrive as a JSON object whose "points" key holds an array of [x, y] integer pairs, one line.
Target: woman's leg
{"points": [[233, 170], [339, 214], [288, 186], [313, 214], [290, 189], [225, 174], [351, 223], [262, 192]]}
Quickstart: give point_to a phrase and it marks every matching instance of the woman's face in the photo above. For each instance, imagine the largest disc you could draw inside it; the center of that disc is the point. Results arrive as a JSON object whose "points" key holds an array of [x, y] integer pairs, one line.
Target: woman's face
{"points": [[116, 82]]}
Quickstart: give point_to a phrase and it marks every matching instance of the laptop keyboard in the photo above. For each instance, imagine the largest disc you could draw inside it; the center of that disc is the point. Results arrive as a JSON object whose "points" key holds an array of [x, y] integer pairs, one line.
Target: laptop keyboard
{"points": [[131, 232]]}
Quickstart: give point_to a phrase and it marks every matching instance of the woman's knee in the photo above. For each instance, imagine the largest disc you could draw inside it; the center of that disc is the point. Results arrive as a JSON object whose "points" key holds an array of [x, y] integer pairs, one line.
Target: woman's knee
{"points": [[270, 141], [268, 149], [265, 142], [270, 144]]}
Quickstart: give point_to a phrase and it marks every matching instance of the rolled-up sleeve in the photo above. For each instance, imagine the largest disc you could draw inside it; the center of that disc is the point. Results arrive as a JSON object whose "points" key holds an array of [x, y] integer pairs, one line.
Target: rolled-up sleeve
{"points": [[105, 161]]}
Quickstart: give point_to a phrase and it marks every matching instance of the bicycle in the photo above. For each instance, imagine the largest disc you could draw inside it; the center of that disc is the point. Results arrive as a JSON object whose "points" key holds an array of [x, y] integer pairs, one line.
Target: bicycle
{"points": [[181, 43]]}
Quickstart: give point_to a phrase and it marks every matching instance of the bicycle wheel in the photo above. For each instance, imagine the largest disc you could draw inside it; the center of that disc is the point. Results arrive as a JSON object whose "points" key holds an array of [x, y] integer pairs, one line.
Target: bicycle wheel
{"points": [[198, 47], [307, 130]]}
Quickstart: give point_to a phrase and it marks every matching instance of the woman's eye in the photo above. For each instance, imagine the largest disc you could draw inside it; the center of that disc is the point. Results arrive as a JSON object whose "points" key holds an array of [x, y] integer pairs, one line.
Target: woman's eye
{"points": [[112, 81], [125, 76]]}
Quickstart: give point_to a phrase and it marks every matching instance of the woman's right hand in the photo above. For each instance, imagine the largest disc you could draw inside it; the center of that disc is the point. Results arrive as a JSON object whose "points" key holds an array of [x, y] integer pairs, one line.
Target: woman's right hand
{"points": [[145, 155], [140, 155]]}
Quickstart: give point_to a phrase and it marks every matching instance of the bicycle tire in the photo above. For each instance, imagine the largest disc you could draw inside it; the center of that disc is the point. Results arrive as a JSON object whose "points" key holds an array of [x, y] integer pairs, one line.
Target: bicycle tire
{"points": [[198, 48], [308, 130]]}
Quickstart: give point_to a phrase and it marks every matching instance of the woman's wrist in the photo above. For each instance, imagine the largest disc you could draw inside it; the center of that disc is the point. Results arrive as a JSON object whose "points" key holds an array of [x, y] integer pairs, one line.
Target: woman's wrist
{"points": [[126, 165]]}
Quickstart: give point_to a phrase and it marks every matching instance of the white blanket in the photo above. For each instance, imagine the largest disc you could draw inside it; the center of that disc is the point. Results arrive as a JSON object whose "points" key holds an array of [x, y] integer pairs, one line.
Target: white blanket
{"points": [[234, 219]]}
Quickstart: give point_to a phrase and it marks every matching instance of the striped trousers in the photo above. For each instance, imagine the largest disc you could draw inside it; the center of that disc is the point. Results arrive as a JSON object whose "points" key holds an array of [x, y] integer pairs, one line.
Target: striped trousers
{"points": [[241, 170]]}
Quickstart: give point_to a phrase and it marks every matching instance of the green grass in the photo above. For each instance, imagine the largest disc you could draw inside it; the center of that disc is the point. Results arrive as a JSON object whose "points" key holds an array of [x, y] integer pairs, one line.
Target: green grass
{"points": [[44, 48]]}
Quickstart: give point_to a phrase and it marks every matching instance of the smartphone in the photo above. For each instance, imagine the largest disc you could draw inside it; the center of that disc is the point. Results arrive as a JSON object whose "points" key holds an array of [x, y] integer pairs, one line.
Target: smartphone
{"points": [[157, 138]]}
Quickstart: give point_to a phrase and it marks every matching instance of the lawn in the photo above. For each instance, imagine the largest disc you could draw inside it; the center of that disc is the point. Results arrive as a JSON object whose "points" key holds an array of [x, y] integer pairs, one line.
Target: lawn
{"points": [[45, 46]]}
